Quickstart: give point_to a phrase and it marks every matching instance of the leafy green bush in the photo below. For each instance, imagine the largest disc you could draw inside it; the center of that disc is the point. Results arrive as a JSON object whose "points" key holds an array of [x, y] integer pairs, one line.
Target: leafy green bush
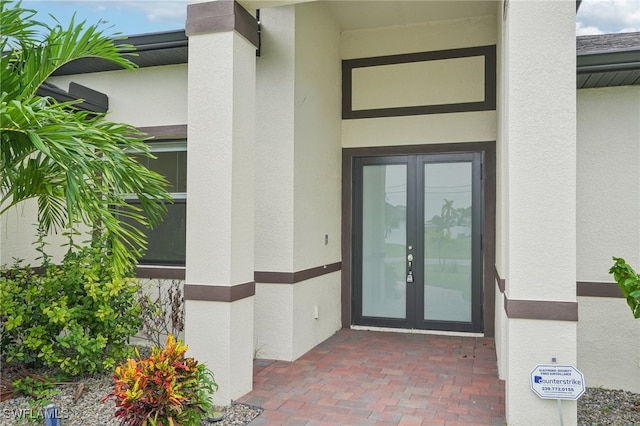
{"points": [[37, 388], [78, 316], [629, 283]]}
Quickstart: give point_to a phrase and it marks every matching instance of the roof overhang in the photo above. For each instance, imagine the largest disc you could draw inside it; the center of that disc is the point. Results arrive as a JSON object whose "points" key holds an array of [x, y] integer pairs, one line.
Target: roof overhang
{"points": [[149, 50], [608, 60]]}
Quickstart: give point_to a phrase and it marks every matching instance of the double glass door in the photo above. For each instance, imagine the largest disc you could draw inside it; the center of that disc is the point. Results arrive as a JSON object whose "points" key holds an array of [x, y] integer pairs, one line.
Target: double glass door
{"points": [[417, 243]]}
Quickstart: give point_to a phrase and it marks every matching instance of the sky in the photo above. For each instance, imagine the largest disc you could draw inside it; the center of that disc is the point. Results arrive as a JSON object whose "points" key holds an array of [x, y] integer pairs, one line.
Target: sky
{"points": [[149, 16]]}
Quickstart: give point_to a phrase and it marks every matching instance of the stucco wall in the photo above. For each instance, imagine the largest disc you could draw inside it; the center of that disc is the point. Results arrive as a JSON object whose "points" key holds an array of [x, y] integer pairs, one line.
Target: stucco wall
{"points": [[421, 129], [608, 196], [285, 326], [220, 214], [317, 156], [18, 230], [608, 202], [323, 294], [298, 174], [153, 96], [538, 216], [275, 73], [608, 344]]}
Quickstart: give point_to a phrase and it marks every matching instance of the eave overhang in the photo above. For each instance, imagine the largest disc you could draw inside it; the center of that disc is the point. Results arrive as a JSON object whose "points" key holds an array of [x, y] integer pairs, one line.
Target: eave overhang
{"points": [[608, 68], [608, 60], [149, 50]]}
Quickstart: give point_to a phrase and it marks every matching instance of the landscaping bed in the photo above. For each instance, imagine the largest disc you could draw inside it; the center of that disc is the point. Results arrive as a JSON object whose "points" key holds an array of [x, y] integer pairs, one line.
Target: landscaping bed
{"points": [[78, 404]]}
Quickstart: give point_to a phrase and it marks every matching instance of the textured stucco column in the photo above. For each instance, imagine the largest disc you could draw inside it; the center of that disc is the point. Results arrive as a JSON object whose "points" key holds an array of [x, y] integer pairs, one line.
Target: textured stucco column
{"points": [[539, 188], [219, 286]]}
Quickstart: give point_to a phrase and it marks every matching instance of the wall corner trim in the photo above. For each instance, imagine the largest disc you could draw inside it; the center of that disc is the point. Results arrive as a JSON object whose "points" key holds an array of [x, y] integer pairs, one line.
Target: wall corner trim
{"points": [[268, 277], [536, 309], [220, 16], [541, 309], [171, 131], [219, 293], [598, 289]]}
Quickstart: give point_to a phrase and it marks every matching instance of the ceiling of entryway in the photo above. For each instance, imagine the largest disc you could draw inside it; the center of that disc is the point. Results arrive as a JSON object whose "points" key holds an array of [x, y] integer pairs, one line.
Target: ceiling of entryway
{"points": [[355, 15], [360, 14]]}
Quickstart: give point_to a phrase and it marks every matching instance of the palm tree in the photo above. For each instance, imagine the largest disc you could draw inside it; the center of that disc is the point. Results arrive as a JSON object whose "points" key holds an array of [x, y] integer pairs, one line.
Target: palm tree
{"points": [[73, 162]]}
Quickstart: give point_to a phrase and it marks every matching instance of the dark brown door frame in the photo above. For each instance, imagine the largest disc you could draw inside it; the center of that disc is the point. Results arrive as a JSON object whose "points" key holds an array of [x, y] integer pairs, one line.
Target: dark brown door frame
{"points": [[488, 150]]}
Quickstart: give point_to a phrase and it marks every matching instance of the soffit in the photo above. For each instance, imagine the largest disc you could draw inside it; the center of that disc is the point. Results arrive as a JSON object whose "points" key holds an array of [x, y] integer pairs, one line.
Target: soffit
{"points": [[156, 49], [362, 14], [608, 60]]}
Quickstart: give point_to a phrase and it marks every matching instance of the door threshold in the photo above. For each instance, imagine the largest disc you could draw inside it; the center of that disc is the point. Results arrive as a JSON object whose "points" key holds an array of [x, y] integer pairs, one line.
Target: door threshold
{"points": [[416, 331]]}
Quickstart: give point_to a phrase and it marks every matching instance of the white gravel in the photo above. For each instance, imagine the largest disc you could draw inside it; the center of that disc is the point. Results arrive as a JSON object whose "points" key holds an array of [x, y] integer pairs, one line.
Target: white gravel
{"points": [[88, 410], [599, 406]]}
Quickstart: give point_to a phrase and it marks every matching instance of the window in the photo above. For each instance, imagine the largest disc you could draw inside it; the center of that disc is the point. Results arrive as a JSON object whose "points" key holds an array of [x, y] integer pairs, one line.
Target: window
{"points": [[166, 243]]}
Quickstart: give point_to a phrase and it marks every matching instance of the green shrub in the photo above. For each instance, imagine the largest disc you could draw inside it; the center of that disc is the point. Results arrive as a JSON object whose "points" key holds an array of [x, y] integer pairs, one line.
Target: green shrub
{"points": [[629, 282], [76, 316]]}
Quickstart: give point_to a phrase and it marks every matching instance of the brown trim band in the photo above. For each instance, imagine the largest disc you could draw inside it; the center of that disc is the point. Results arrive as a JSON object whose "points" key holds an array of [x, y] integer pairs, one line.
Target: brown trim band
{"points": [[175, 131], [541, 310], [594, 289], [160, 272], [219, 16], [536, 309], [219, 293], [295, 277], [488, 104], [583, 288]]}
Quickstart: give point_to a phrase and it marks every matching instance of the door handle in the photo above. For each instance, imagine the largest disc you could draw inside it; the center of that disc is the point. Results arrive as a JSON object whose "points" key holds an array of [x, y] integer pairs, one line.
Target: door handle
{"points": [[410, 272]]}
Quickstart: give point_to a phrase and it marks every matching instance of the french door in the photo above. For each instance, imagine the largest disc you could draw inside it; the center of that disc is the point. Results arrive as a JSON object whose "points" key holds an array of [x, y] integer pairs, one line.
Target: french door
{"points": [[417, 255]]}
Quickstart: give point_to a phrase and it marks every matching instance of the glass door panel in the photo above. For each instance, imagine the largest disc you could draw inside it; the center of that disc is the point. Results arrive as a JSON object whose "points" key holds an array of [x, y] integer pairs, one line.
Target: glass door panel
{"points": [[448, 195], [384, 240], [417, 259]]}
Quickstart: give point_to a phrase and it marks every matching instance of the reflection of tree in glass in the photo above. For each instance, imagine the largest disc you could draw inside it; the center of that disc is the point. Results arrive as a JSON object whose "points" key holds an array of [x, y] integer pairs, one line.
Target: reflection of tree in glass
{"points": [[441, 225], [393, 217]]}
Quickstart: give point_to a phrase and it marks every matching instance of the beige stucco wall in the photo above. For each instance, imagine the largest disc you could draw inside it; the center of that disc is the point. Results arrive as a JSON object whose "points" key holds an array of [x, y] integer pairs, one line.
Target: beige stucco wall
{"points": [[298, 174], [608, 202], [275, 73], [286, 326], [220, 209], [153, 96], [608, 180], [317, 153], [421, 129], [608, 344], [538, 218], [18, 231]]}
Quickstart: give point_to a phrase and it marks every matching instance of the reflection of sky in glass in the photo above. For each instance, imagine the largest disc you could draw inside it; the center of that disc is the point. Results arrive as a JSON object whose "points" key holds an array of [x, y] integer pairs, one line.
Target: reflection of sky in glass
{"points": [[450, 181], [396, 185]]}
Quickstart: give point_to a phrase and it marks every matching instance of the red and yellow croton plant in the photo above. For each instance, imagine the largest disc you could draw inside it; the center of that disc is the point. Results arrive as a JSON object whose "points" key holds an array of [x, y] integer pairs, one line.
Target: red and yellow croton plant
{"points": [[166, 389]]}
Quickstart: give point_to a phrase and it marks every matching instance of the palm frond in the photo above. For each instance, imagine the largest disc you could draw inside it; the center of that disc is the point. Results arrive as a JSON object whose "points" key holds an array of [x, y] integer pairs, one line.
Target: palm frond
{"points": [[74, 163], [36, 50]]}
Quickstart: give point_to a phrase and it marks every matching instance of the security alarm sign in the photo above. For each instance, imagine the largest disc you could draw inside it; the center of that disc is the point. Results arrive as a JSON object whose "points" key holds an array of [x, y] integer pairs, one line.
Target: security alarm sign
{"points": [[554, 381]]}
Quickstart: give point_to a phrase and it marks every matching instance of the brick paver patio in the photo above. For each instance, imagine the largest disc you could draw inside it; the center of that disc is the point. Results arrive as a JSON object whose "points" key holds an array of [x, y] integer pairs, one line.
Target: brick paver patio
{"points": [[368, 377]]}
